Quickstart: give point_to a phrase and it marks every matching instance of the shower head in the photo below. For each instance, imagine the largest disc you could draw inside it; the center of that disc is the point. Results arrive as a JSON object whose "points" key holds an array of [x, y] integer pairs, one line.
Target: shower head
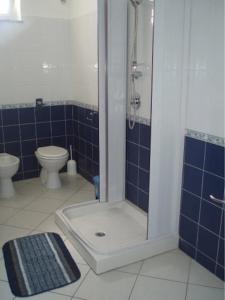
{"points": [[135, 3]]}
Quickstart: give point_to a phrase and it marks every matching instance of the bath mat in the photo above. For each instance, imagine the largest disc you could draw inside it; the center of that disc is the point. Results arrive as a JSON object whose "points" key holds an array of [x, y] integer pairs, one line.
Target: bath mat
{"points": [[38, 263]]}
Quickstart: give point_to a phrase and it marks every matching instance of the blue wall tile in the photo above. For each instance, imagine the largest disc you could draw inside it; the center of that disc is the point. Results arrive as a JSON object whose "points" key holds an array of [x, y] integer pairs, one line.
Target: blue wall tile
{"points": [[190, 205], [145, 135], [132, 193], [10, 117], [192, 180], [11, 133], [143, 200], [206, 262], [1, 135], [143, 182], [30, 163], [209, 159], [13, 148], [144, 158], [58, 113], [138, 154], [212, 185], [58, 128], [26, 115], [188, 230], [28, 132], [210, 216], [132, 174], [187, 248], [207, 243], [29, 147], [220, 272], [132, 153], [44, 130], [69, 112], [43, 114], [221, 252], [194, 152], [214, 161], [133, 135]]}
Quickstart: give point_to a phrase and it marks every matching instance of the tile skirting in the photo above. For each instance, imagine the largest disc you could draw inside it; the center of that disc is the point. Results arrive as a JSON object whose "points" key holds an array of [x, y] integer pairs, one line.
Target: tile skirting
{"points": [[220, 141], [50, 103]]}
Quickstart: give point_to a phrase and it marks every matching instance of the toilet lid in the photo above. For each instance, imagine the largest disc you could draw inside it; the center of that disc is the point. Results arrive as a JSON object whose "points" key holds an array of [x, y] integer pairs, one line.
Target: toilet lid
{"points": [[51, 151]]}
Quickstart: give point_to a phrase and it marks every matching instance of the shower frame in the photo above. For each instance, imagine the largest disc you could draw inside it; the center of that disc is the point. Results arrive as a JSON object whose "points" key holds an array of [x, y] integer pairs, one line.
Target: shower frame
{"points": [[166, 169]]}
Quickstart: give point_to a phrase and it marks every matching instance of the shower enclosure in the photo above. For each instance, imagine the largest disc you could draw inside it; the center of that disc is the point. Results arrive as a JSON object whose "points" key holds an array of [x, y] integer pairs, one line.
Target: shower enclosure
{"points": [[127, 224]]}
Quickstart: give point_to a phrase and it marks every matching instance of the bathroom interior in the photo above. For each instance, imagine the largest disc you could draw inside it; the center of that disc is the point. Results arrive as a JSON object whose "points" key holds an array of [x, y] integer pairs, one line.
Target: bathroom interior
{"points": [[112, 136]]}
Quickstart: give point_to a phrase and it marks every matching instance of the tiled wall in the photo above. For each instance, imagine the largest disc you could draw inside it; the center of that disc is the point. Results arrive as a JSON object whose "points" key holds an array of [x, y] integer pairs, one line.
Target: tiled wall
{"points": [[23, 130], [201, 219], [138, 165], [86, 141]]}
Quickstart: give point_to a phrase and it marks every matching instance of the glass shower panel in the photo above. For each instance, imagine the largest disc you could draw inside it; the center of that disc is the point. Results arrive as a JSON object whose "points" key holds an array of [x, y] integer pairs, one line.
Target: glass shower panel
{"points": [[139, 81]]}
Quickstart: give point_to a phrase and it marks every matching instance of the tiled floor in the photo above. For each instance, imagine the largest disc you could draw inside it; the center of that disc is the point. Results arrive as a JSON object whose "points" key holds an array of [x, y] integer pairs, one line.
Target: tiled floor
{"points": [[171, 276]]}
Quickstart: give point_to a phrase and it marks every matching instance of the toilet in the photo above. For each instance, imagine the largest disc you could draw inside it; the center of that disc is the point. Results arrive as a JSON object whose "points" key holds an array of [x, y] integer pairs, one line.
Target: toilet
{"points": [[9, 166], [52, 159]]}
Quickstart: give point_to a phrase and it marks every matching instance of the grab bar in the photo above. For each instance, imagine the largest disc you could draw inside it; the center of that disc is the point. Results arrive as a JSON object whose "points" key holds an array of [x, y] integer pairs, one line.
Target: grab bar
{"points": [[216, 199]]}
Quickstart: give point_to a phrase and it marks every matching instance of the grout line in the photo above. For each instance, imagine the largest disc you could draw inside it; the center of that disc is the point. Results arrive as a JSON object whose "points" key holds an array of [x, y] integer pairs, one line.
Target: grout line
{"points": [[203, 170], [200, 225], [138, 274], [188, 279], [74, 295]]}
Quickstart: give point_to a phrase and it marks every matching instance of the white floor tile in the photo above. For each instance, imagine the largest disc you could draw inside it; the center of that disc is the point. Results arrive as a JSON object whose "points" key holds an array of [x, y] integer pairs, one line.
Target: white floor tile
{"points": [[109, 286], [6, 213], [157, 289], [49, 225], [5, 292], [3, 275], [26, 219], [80, 196], [8, 233], [75, 182], [19, 201], [196, 292], [200, 275], [132, 268], [61, 194], [46, 296], [74, 253], [45, 205], [169, 266], [70, 289], [34, 188]]}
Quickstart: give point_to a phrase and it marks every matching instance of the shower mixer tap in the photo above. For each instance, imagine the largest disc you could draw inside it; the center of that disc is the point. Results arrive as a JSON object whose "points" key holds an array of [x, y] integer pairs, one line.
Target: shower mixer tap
{"points": [[136, 101]]}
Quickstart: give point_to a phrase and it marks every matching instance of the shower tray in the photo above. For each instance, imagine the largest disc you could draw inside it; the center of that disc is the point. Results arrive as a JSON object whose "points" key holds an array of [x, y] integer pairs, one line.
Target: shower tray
{"points": [[110, 235]]}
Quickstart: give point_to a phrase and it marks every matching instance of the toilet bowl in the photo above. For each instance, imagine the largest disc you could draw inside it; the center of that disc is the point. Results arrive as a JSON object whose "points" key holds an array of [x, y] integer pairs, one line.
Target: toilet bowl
{"points": [[52, 159], [9, 165]]}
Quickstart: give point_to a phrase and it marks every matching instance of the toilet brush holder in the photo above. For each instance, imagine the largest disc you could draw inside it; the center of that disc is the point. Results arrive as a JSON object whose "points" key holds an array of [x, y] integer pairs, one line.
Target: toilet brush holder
{"points": [[71, 167]]}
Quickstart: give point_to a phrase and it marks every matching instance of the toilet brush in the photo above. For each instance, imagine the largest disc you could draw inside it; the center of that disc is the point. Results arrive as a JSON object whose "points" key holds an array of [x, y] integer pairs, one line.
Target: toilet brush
{"points": [[71, 164]]}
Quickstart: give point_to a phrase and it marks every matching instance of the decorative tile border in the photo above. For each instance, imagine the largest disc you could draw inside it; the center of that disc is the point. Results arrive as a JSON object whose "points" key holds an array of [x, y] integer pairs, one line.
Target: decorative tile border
{"points": [[206, 137], [141, 120], [50, 103]]}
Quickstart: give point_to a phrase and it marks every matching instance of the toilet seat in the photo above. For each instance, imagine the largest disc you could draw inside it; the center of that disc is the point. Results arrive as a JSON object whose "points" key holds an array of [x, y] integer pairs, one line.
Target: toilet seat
{"points": [[52, 152]]}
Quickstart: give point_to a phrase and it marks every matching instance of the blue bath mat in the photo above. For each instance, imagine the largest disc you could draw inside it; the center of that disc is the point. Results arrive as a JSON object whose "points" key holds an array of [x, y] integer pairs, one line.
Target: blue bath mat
{"points": [[38, 263]]}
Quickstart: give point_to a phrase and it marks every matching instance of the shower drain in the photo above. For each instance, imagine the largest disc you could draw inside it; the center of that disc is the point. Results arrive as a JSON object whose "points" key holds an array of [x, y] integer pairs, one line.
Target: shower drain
{"points": [[100, 234]]}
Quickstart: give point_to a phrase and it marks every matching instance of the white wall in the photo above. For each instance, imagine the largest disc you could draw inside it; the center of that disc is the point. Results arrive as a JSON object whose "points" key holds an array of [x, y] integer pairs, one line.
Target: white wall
{"points": [[144, 54], [50, 55], [205, 67], [167, 118], [84, 39]]}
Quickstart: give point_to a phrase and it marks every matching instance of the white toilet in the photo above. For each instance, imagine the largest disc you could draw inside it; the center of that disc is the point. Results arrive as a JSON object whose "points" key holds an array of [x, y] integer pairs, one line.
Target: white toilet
{"points": [[52, 159], [9, 165]]}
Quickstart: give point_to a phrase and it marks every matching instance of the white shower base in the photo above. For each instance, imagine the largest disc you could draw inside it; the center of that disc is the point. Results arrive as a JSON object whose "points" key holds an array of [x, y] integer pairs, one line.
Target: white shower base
{"points": [[124, 230]]}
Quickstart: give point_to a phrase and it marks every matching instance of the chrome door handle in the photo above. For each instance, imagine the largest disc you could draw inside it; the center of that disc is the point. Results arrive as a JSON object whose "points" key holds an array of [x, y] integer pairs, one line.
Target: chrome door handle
{"points": [[217, 200]]}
